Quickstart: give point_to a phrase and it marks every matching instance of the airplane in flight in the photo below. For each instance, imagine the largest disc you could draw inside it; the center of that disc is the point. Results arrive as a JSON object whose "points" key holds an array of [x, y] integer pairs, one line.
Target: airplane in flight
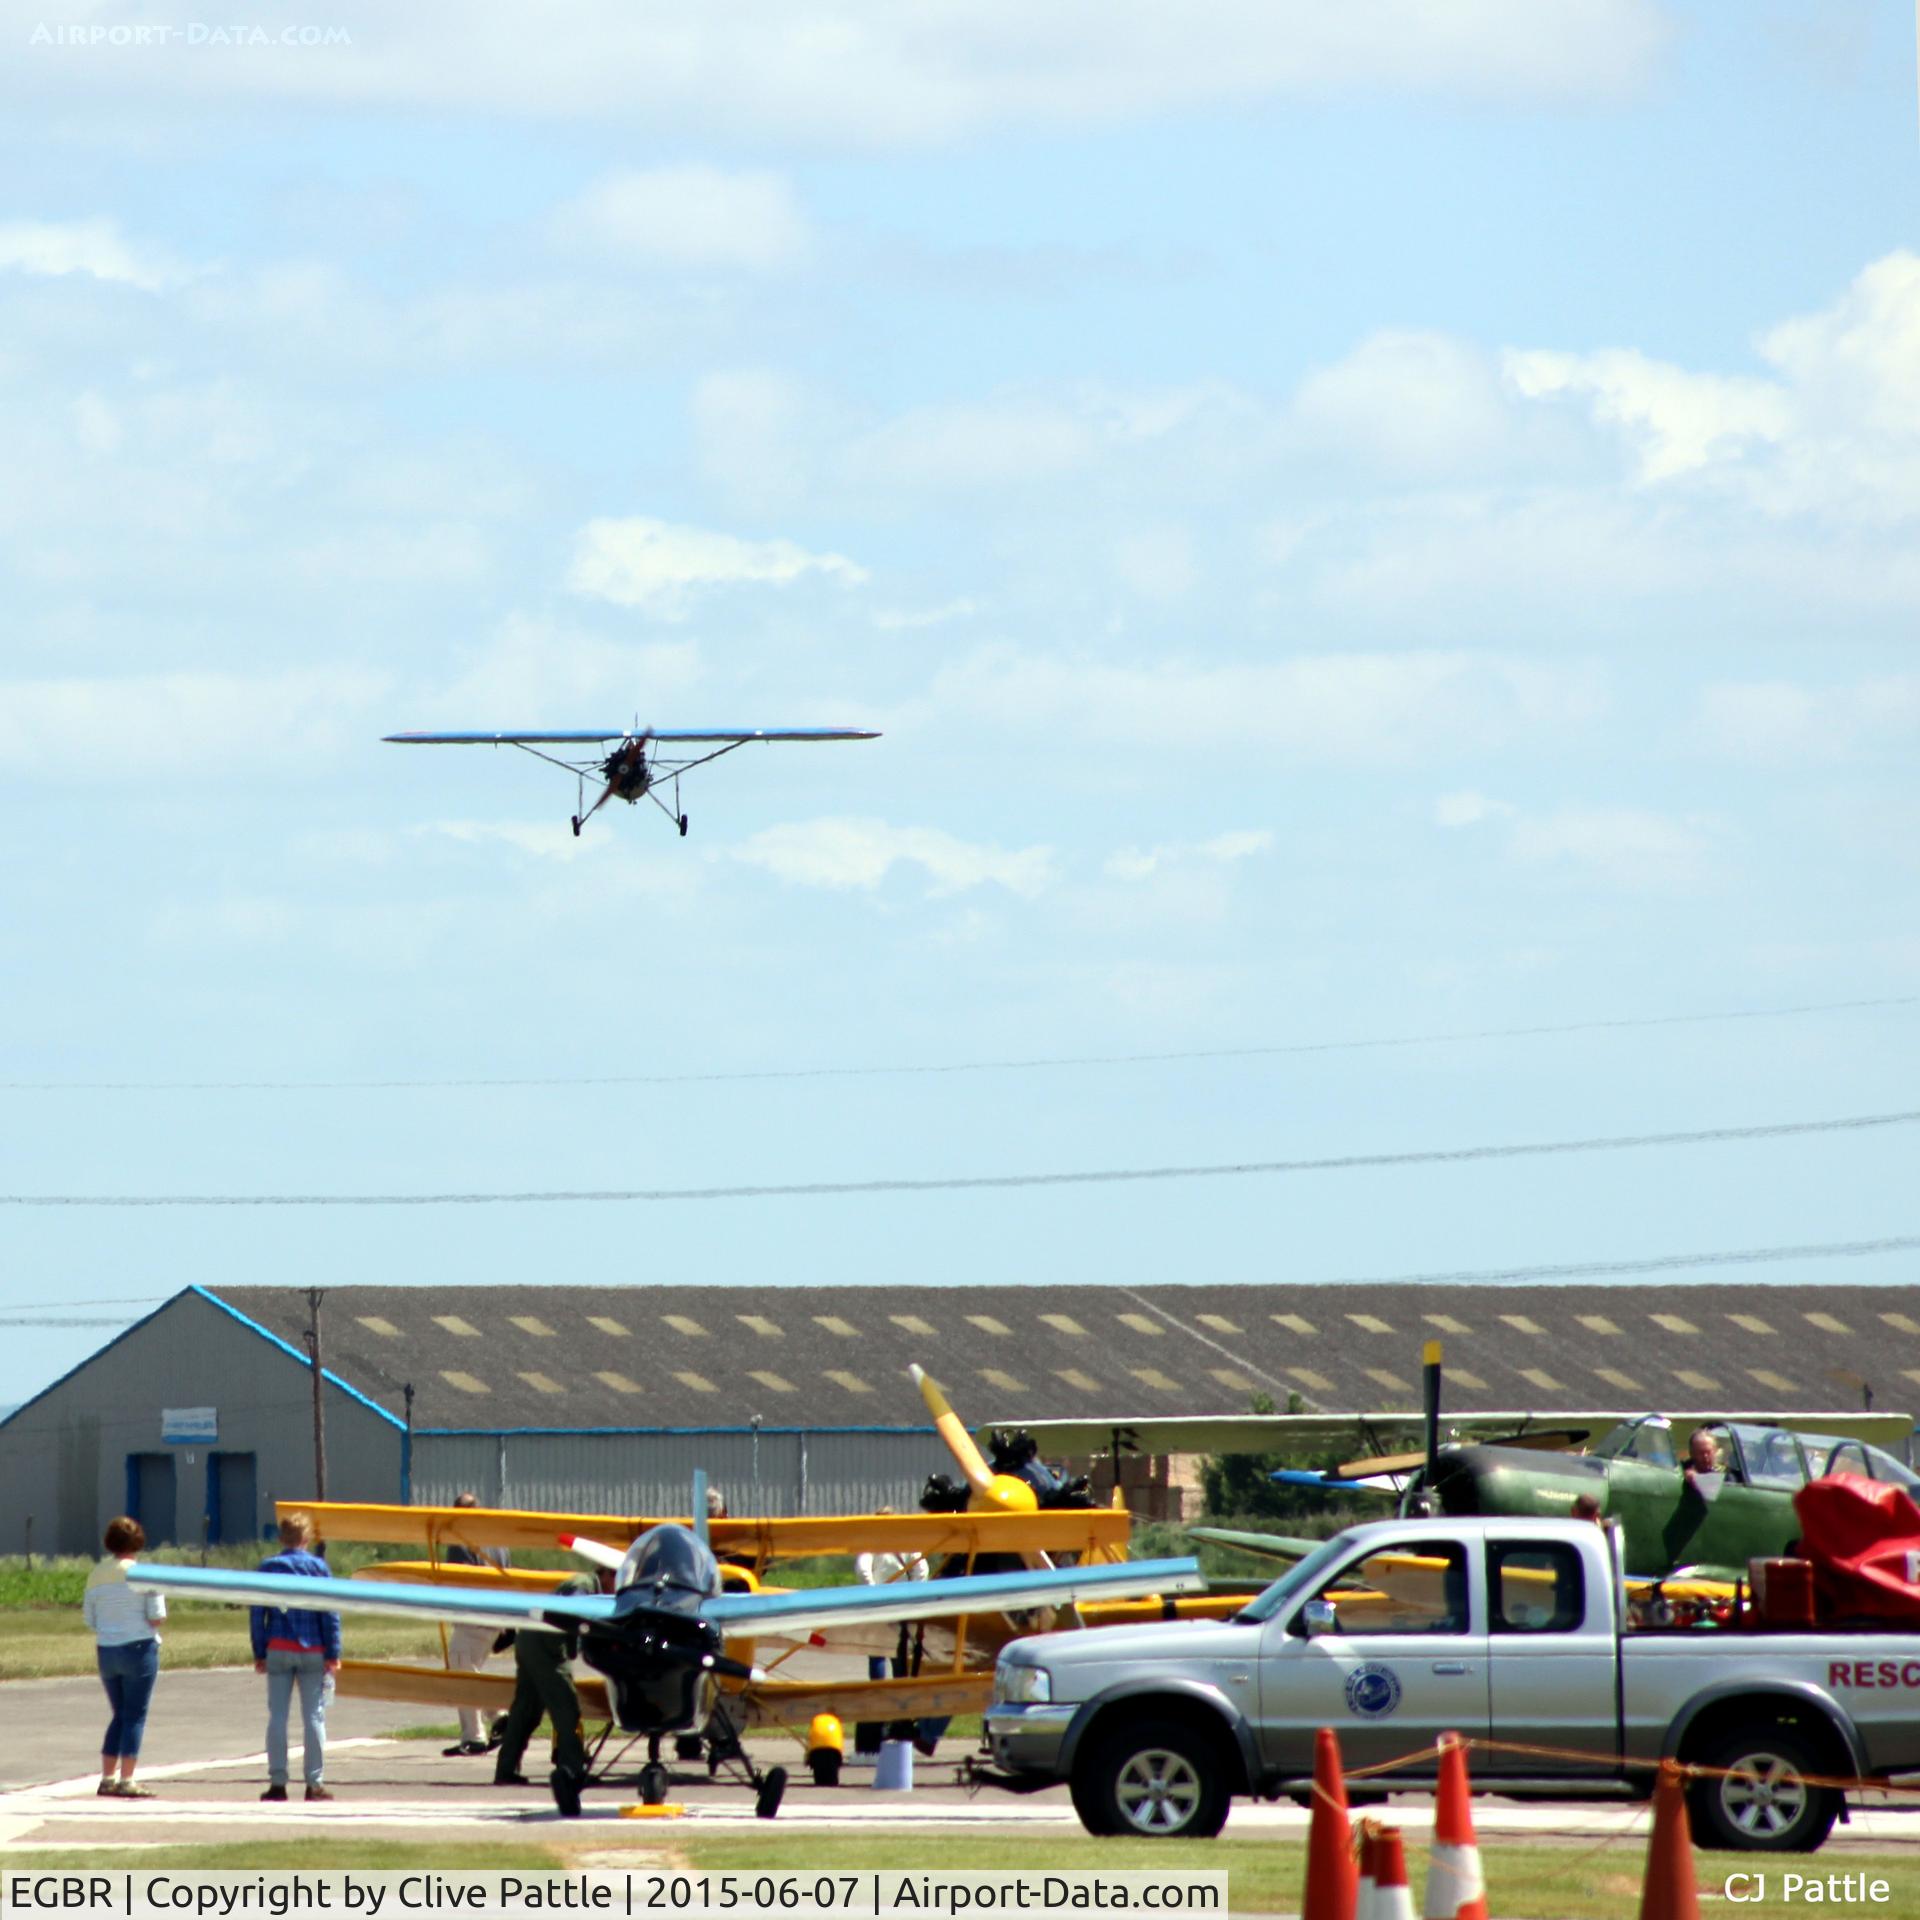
{"points": [[659, 1637], [629, 760]]}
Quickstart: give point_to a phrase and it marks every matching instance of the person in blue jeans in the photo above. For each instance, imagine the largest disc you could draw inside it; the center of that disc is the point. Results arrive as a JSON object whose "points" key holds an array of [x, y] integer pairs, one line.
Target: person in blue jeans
{"points": [[296, 1648], [125, 1630]]}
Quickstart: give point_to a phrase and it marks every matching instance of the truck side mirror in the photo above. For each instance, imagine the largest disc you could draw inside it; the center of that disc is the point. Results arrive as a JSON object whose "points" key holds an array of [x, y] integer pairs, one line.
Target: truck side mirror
{"points": [[1318, 1617]]}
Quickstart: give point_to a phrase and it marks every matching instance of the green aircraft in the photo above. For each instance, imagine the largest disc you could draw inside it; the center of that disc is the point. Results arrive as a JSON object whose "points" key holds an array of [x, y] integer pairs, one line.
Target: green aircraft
{"points": [[1699, 1512], [1699, 1509]]}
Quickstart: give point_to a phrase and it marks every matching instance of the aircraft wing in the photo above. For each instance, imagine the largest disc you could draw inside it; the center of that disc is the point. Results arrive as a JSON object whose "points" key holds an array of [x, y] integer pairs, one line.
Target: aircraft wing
{"points": [[806, 1612], [1296, 1432], [764, 733], [1276, 1546], [1271, 1432], [589, 736], [544, 1612], [1385, 1484]]}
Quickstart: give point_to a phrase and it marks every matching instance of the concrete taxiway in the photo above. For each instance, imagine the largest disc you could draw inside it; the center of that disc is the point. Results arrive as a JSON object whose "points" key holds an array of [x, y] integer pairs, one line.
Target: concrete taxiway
{"points": [[204, 1759]]}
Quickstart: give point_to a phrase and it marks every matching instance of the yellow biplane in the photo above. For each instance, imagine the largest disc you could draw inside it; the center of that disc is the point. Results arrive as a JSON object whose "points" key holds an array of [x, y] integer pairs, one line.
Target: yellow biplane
{"points": [[949, 1661]]}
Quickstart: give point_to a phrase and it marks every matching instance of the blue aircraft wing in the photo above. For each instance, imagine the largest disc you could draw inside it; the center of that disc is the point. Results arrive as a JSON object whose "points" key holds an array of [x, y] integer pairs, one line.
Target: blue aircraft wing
{"points": [[589, 736], [967, 1593], [545, 1612], [1331, 1482]]}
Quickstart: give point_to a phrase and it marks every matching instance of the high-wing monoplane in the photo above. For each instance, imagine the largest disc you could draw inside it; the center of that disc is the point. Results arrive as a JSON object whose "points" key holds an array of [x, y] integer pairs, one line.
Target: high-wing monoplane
{"points": [[659, 1637], [632, 763], [1700, 1525]]}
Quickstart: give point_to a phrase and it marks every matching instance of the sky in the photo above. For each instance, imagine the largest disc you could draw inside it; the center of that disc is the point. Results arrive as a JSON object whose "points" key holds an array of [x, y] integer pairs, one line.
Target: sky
{"points": [[1362, 530]]}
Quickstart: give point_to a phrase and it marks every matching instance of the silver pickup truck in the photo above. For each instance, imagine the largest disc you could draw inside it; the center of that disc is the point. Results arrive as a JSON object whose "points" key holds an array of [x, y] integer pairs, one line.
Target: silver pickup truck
{"points": [[1514, 1630]]}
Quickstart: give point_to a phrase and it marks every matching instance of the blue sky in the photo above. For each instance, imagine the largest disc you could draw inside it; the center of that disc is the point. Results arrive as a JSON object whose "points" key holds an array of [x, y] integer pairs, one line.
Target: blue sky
{"points": [[1354, 522]]}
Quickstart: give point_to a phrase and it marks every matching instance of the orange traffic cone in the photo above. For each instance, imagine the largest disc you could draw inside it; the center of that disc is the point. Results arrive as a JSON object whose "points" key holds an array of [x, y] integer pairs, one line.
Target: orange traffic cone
{"points": [[1366, 1903], [1333, 1887], [1392, 1892], [1456, 1888], [1669, 1891]]}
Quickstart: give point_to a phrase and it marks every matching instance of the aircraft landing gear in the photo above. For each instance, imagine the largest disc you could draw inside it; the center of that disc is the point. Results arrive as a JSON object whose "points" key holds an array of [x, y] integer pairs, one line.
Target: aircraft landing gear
{"points": [[576, 826], [683, 826], [773, 1784], [653, 1783]]}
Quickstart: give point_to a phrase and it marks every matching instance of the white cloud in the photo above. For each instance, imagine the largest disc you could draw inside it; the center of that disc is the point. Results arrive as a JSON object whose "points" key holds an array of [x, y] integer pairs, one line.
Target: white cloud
{"points": [[659, 566], [1408, 405], [872, 71], [96, 426], [754, 432], [1787, 721], [1001, 443], [1860, 357], [1156, 562], [536, 671], [544, 840], [1677, 420], [238, 920], [914, 619], [1628, 847], [51, 248], [1467, 809], [852, 853], [689, 216], [1317, 708], [134, 729], [1142, 863]]}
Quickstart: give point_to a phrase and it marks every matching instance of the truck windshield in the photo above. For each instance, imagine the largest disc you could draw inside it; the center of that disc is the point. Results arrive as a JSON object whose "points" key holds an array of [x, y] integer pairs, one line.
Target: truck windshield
{"points": [[1304, 1577]]}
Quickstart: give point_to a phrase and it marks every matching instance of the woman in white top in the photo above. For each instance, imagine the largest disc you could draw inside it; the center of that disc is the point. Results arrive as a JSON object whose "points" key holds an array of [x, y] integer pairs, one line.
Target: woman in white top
{"points": [[124, 1625]]}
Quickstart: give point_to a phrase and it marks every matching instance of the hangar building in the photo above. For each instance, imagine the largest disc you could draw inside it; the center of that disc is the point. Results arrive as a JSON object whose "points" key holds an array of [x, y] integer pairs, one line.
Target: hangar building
{"points": [[796, 1399]]}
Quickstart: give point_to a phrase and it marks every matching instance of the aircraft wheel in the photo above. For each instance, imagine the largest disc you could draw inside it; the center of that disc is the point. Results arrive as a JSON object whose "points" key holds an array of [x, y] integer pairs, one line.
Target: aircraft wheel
{"points": [[1158, 1779], [773, 1784], [576, 826], [683, 826], [1762, 1802], [566, 1794], [653, 1783], [824, 1764]]}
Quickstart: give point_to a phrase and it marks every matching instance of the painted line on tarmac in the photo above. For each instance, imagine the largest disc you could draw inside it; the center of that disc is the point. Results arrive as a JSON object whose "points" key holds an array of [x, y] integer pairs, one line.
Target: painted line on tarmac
{"points": [[88, 1784]]}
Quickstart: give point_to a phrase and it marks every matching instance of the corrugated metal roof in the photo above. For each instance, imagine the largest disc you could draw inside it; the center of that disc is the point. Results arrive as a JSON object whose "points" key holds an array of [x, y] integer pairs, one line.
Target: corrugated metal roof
{"points": [[827, 1357]]}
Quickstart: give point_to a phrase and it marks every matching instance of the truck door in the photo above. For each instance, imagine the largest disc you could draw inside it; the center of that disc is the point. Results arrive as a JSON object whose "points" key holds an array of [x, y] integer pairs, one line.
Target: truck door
{"points": [[1404, 1661], [1551, 1655]]}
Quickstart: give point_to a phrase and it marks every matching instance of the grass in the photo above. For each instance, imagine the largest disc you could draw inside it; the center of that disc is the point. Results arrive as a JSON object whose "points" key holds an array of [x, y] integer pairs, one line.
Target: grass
{"points": [[1547, 1882], [43, 1643], [42, 1635], [1265, 1876], [304, 1856]]}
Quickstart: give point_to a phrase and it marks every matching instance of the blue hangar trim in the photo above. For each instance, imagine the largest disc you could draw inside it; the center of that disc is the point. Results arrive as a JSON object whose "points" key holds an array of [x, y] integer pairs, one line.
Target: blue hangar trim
{"points": [[294, 1353]]}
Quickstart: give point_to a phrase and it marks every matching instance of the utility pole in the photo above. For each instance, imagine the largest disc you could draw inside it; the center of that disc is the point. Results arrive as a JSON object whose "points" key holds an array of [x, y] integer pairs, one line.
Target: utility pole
{"points": [[314, 1297]]}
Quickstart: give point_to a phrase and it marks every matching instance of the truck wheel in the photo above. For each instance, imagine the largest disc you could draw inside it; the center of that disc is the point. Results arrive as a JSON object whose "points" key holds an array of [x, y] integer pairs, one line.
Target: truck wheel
{"points": [[1159, 1779], [1762, 1804]]}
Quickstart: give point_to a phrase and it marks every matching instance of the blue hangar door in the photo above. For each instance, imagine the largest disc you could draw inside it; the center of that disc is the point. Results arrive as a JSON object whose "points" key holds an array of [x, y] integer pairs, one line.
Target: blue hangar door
{"points": [[231, 1498], [150, 1495]]}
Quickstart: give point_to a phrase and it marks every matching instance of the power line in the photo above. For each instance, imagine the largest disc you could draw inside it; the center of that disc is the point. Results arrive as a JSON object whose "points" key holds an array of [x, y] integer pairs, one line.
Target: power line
{"points": [[1431, 1156], [61, 1306], [1040, 1063], [97, 1320], [1656, 1263]]}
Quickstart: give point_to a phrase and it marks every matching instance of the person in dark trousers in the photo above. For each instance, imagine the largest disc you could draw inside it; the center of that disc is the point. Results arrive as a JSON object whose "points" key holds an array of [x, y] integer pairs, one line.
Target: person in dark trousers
{"points": [[543, 1684], [296, 1647]]}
